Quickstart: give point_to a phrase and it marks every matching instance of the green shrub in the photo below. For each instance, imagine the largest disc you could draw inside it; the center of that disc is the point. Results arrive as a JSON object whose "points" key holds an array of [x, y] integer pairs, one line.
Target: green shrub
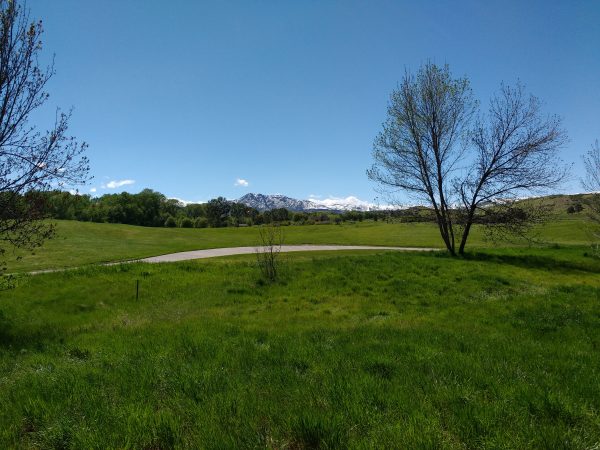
{"points": [[186, 222], [201, 222], [170, 222]]}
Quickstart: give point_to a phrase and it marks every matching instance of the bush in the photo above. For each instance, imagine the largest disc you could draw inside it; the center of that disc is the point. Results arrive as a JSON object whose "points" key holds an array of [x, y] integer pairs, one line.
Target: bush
{"points": [[201, 222], [170, 222], [186, 222], [271, 240], [577, 207]]}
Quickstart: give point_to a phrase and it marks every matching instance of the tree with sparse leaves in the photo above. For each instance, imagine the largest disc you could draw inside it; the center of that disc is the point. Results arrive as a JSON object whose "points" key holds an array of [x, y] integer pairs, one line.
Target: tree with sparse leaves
{"points": [[31, 162], [591, 183], [468, 168]]}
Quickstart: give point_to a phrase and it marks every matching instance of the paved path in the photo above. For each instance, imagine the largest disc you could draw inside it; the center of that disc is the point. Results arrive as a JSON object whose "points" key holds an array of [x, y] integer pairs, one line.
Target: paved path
{"points": [[232, 251], [215, 252]]}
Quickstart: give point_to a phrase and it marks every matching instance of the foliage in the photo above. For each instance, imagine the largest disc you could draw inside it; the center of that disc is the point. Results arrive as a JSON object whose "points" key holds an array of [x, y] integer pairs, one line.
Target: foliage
{"points": [[217, 212], [30, 161], [151, 208], [186, 222], [170, 222]]}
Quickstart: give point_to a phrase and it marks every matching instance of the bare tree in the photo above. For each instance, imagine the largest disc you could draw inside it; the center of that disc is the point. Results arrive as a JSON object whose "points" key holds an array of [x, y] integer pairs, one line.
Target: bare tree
{"points": [[30, 161], [428, 148], [516, 153], [591, 183], [591, 159], [419, 149], [267, 255]]}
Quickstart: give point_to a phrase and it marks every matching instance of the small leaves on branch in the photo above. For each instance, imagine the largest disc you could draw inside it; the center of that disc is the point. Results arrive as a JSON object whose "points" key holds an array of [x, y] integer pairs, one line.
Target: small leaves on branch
{"points": [[268, 252], [31, 162], [437, 147]]}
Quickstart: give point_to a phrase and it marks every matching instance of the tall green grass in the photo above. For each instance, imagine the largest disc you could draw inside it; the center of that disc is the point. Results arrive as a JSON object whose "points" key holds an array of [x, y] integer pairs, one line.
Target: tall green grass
{"points": [[497, 350]]}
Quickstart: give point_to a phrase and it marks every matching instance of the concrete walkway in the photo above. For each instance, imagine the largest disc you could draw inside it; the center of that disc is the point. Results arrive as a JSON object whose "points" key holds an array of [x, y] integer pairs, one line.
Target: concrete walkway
{"points": [[215, 252], [232, 251]]}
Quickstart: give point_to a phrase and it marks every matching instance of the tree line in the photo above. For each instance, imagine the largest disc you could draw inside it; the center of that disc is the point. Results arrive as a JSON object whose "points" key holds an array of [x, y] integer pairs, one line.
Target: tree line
{"points": [[153, 209]]}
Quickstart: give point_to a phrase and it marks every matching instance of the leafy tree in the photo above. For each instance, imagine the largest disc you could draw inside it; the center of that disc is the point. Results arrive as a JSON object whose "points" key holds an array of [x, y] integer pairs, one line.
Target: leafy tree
{"points": [[280, 215], [170, 222], [186, 222], [300, 217], [150, 207], [31, 162], [201, 222], [195, 210], [237, 212], [217, 212]]}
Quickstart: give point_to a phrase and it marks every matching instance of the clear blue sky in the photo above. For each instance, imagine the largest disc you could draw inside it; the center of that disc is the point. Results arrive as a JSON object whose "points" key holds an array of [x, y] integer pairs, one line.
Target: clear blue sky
{"points": [[186, 97]]}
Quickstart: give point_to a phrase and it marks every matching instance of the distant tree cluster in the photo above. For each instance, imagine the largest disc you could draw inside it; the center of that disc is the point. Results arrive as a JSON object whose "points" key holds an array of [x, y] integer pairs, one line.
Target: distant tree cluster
{"points": [[153, 209]]}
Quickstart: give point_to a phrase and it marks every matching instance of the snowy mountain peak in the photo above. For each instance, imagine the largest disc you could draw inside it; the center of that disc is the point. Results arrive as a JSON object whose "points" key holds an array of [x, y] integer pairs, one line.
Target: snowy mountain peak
{"points": [[268, 202]]}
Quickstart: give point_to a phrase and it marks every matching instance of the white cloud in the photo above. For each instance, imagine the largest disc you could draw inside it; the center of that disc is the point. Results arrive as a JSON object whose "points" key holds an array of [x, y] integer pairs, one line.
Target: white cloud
{"points": [[117, 184], [92, 190], [241, 182]]}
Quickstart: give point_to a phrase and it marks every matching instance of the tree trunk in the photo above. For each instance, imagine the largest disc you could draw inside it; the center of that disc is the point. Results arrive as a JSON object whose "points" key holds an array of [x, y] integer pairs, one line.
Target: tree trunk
{"points": [[465, 235]]}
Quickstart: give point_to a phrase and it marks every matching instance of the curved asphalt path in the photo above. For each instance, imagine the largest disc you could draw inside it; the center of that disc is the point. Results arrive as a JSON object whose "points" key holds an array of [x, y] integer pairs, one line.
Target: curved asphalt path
{"points": [[231, 251]]}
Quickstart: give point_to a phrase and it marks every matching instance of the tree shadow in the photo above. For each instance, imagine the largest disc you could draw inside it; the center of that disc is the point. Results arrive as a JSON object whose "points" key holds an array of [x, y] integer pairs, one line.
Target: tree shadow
{"points": [[536, 262], [19, 338]]}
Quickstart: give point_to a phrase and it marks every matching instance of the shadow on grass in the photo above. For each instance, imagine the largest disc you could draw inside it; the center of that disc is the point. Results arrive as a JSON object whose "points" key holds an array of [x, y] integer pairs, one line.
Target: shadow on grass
{"points": [[14, 338], [590, 265]]}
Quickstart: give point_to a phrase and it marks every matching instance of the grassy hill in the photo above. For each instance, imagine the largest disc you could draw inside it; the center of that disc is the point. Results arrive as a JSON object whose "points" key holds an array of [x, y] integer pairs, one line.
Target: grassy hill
{"points": [[80, 243]]}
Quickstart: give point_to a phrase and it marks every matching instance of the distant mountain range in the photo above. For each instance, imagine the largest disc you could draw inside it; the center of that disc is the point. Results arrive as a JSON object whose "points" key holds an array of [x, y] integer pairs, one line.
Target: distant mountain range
{"points": [[263, 202]]}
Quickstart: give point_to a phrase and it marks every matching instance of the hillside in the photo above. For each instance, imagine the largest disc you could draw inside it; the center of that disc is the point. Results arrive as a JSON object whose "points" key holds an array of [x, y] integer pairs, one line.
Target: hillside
{"points": [[79, 243]]}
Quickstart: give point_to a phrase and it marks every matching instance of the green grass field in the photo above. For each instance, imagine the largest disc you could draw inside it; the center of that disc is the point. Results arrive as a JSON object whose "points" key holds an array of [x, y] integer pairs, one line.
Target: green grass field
{"points": [[364, 350], [499, 349], [81, 243]]}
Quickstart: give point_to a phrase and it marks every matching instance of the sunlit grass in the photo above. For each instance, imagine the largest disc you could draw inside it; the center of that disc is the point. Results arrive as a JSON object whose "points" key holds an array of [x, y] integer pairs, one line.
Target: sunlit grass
{"points": [[499, 350], [80, 243]]}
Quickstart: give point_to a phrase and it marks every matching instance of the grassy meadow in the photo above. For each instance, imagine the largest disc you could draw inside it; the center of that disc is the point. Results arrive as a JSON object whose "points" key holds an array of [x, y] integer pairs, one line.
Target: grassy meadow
{"points": [[81, 243], [370, 349], [363, 350]]}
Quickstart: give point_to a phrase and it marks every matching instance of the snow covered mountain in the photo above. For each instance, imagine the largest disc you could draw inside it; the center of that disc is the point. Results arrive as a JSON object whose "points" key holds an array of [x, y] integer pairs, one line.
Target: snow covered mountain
{"points": [[267, 202]]}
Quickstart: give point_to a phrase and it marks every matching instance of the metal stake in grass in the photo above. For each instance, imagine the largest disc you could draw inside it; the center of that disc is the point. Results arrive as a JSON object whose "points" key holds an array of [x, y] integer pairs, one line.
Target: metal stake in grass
{"points": [[137, 290]]}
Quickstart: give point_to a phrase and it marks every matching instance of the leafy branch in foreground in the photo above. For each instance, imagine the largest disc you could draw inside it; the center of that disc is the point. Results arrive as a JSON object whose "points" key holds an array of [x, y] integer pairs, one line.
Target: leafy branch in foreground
{"points": [[31, 162]]}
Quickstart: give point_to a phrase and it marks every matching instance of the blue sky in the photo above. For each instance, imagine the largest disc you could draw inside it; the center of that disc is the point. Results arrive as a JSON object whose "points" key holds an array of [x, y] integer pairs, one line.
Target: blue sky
{"points": [[186, 97]]}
